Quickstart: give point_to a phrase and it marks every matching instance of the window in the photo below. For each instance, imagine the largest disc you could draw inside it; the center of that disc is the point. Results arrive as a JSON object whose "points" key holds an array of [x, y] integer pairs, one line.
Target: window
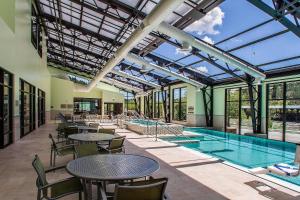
{"points": [[292, 112], [87, 105], [246, 119], [158, 105], [232, 122], [179, 104], [113, 108], [36, 38], [27, 107], [148, 105], [275, 111], [41, 107], [283, 107], [130, 104], [238, 117], [6, 119]]}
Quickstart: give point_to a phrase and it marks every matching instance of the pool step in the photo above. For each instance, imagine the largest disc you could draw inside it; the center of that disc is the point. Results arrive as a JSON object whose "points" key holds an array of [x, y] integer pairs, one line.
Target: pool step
{"points": [[184, 141]]}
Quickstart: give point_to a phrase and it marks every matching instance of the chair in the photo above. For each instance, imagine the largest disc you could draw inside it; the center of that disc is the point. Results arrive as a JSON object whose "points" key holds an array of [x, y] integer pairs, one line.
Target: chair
{"points": [[82, 150], [107, 131], [70, 130], [283, 169], [153, 189], [60, 149], [94, 125], [116, 145], [57, 189]]}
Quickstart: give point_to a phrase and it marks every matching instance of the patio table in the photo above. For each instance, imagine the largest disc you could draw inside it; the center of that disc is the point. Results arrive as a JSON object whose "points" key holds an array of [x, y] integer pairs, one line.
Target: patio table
{"points": [[111, 167], [91, 137]]}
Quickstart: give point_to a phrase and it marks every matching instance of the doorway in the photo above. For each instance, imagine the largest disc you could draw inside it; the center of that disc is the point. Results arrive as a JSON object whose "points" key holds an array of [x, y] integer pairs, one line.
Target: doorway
{"points": [[41, 107], [6, 108], [27, 107], [113, 108]]}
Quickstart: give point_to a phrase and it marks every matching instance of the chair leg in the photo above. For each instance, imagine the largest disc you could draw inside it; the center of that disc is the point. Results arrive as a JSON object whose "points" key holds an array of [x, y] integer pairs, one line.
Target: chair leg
{"points": [[80, 196], [51, 157], [54, 159], [38, 195]]}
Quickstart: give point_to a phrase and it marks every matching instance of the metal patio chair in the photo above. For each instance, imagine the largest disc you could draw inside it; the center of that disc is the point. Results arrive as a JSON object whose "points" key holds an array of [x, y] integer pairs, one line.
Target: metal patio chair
{"points": [[56, 190], [60, 149]]}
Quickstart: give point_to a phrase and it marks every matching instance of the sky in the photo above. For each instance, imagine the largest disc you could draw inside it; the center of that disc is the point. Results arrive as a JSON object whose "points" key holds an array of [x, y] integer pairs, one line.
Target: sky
{"points": [[232, 17]]}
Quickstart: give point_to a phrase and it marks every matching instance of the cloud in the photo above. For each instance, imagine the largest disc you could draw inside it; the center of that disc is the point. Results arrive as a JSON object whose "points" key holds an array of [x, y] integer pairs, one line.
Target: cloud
{"points": [[208, 23], [208, 40], [202, 69]]}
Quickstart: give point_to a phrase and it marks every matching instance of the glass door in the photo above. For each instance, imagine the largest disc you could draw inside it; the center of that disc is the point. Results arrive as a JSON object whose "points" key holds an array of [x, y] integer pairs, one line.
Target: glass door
{"points": [[27, 107], [41, 108], [6, 117]]}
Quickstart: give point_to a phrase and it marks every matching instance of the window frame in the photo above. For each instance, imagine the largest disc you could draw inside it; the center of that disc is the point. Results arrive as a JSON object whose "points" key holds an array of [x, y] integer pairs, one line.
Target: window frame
{"points": [[180, 117]]}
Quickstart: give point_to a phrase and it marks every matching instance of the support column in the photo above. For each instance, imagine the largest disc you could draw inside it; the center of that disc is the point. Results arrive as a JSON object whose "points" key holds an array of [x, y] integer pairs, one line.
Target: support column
{"points": [[208, 105], [135, 102], [255, 104], [164, 100]]}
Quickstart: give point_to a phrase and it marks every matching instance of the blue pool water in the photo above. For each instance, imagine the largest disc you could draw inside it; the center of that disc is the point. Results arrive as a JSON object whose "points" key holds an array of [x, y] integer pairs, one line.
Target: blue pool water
{"points": [[246, 151]]}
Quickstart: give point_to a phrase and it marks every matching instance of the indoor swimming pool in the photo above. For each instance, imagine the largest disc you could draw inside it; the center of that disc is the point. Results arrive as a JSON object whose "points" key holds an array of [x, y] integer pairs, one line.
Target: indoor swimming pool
{"points": [[246, 151]]}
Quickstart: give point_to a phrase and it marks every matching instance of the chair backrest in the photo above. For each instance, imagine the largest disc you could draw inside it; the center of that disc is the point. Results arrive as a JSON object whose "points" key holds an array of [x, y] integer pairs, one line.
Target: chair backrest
{"points": [[107, 130], [95, 125], [40, 170], [142, 190], [116, 144], [86, 150], [70, 130], [62, 117], [53, 141]]}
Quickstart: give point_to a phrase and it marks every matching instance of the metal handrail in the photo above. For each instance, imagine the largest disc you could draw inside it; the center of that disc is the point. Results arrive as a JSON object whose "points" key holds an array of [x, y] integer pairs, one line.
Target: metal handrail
{"points": [[165, 126], [136, 116]]}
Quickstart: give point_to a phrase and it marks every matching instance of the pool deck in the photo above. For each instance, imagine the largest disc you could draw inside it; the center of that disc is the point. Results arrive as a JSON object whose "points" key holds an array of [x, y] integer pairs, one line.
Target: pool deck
{"points": [[192, 175]]}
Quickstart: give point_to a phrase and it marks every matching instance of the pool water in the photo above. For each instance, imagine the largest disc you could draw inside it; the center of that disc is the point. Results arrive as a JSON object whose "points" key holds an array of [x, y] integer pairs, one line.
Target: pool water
{"points": [[246, 151]]}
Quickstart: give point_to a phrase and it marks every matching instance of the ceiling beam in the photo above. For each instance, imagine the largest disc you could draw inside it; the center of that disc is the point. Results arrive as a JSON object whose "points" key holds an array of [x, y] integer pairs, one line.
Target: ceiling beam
{"points": [[84, 31], [211, 50], [76, 48], [142, 62], [276, 15], [192, 74], [100, 11], [193, 15]]}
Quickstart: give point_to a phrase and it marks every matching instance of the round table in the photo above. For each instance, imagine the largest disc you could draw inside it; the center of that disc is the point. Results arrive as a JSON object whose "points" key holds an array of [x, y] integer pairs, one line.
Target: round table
{"points": [[112, 167], [91, 137]]}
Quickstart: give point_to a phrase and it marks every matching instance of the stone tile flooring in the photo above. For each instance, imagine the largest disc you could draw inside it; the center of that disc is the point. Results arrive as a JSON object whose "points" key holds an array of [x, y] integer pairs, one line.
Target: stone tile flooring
{"points": [[192, 175]]}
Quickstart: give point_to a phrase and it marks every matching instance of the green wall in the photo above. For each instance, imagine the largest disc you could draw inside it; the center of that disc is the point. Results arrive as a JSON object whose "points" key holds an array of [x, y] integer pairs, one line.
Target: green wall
{"points": [[17, 54], [7, 13], [62, 92]]}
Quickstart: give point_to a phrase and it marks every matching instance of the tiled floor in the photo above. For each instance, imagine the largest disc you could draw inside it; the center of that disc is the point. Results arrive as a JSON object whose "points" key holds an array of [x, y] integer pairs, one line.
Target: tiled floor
{"points": [[192, 176]]}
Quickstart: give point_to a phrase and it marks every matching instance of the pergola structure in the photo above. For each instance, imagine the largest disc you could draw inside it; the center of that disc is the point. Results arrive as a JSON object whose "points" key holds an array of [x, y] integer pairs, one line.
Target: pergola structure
{"points": [[84, 34]]}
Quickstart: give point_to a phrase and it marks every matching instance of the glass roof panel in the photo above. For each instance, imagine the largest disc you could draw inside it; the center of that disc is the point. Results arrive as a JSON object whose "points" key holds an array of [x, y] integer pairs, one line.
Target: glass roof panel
{"points": [[229, 18], [293, 62], [280, 47], [260, 32], [206, 68], [222, 76]]}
